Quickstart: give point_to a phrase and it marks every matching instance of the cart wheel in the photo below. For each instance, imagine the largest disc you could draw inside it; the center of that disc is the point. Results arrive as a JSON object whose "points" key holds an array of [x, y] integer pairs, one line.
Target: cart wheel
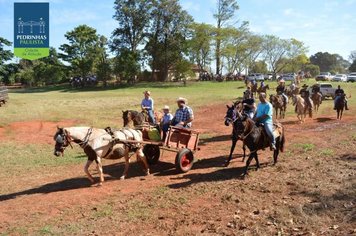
{"points": [[152, 153], [184, 160]]}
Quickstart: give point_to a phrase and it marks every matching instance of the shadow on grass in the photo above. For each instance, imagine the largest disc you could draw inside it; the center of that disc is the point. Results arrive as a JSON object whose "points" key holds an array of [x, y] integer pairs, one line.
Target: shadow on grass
{"points": [[112, 172]]}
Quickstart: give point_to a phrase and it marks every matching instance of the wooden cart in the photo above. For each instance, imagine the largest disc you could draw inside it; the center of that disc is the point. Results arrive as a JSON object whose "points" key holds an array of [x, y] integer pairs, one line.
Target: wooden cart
{"points": [[182, 141]]}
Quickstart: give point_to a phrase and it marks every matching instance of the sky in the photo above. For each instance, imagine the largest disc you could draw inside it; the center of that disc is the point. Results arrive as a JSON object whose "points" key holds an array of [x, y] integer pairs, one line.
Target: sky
{"points": [[323, 25]]}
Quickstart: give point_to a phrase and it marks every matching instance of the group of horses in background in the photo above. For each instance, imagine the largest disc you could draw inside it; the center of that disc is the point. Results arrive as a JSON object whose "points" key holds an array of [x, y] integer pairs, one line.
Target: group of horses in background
{"points": [[81, 82]]}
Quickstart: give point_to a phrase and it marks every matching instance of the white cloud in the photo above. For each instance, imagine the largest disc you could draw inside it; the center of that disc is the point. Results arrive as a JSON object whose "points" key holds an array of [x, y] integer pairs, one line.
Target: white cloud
{"points": [[288, 11], [72, 16]]}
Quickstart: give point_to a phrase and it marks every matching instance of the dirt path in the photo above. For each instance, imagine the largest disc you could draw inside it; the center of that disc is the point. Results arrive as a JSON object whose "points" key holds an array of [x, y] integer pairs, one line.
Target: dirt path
{"points": [[208, 199]]}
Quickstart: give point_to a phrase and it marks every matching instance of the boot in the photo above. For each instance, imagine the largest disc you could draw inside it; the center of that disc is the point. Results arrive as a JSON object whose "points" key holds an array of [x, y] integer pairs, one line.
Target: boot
{"points": [[346, 107]]}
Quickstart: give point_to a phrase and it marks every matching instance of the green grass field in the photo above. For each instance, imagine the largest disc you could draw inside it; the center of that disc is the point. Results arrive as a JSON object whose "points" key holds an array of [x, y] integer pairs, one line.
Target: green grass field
{"points": [[101, 108]]}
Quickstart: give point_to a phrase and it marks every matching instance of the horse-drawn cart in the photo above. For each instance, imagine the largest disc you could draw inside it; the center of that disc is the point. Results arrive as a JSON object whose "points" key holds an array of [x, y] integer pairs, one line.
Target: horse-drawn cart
{"points": [[182, 141], [3, 95]]}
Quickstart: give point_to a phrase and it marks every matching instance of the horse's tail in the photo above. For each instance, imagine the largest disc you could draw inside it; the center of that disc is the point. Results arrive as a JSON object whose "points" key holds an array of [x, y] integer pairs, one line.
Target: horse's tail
{"points": [[282, 140]]}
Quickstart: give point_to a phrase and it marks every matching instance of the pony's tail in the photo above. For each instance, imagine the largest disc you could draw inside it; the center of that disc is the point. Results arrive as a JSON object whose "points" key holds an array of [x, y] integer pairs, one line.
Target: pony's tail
{"points": [[282, 141]]}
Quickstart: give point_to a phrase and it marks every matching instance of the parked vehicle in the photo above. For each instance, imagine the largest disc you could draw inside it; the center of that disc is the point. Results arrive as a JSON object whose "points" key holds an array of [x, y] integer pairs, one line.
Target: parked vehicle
{"points": [[351, 77], [268, 76], [340, 78], [288, 77], [256, 77], [324, 76], [326, 90]]}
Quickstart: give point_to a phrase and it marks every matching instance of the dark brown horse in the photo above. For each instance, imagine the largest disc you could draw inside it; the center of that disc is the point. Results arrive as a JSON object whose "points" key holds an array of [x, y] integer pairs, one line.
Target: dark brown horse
{"points": [[263, 89], [137, 118], [254, 89], [230, 118], [340, 106], [255, 138], [279, 104]]}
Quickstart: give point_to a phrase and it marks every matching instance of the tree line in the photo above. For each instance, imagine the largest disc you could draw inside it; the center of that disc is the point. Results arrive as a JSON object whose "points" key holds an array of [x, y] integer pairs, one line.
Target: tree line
{"points": [[162, 36]]}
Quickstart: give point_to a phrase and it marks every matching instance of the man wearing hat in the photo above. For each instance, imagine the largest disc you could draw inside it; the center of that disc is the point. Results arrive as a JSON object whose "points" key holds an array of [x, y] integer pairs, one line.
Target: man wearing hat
{"points": [[281, 90], [184, 114], [166, 120], [304, 93], [147, 105], [249, 105]]}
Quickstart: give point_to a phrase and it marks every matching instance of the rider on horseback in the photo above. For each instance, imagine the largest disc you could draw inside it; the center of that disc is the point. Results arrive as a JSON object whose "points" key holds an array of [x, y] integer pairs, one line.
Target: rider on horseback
{"points": [[316, 90], [264, 116], [304, 93], [340, 94], [147, 105], [249, 105], [281, 90]]}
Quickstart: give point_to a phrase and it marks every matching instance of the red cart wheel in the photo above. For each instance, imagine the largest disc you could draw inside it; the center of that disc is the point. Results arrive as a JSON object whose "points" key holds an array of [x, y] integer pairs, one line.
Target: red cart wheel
{"points": [[184, 160]]}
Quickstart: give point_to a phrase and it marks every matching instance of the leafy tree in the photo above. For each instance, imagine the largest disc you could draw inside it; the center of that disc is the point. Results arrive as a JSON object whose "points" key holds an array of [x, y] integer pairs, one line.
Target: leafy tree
{"points": [[7, 73], [352, 67], [133, 20], [352, 56], [225, 11], [259, 67], [324, 60], [200, 44], [278, 53], [167, 42], [103, 68], [314, 70], [126, 65], [183, 70], [80, 52], [5, 55]]}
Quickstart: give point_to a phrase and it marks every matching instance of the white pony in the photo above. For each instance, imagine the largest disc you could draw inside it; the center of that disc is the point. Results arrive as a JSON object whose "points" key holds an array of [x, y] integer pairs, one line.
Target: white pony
{"points": [[98, 144], [299, 104]]}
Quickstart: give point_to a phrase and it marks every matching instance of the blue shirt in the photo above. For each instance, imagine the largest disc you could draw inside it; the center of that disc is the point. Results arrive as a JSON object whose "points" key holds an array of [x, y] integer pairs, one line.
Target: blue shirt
{"points": [[184, 114], [167, 118], [147, 103], [265, 109]]}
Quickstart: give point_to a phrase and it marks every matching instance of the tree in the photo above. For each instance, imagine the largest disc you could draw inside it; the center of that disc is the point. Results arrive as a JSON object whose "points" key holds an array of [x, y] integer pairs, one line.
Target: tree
{"points": [[126, 65], [133, 20], [225, 11], [324, 60], [352, 56], [278, 53], [167, 42], [259, 67], [103, 68], [352, 67], [80, 52], [200, 44], [314, 70], [5, 55]]}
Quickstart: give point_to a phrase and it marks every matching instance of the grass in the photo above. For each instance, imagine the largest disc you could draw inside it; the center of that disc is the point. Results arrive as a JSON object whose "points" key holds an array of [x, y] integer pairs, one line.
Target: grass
{"points": [[305, 147]]}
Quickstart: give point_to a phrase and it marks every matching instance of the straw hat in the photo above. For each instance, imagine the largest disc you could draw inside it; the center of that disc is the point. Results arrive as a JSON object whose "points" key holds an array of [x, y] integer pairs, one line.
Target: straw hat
{"points": [[165, 108], [282, 81], [181, 99], [147, 92]]}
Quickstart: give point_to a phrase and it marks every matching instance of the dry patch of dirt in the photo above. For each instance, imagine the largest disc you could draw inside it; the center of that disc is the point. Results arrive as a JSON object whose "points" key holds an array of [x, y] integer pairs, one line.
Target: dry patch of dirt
{"points": [[311, 191]]}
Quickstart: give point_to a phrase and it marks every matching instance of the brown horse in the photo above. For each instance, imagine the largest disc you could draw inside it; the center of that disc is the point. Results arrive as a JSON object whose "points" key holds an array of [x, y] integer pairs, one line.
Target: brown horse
{"points": [[254, 89], [263, 89], [290, 93], [317, 99], [340, 106], [299, 104], [278, 103]]}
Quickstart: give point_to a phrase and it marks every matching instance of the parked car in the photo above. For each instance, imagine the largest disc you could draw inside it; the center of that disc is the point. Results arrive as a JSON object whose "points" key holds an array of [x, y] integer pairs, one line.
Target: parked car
{"points": [[326, 90], [288, 77], [268, 76], [256, 77], [351, 77], [340, 78], [324, 76]]}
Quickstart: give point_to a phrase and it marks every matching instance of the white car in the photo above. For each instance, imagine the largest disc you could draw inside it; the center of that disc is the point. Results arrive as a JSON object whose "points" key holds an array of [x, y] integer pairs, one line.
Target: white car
{"points": [[288, 77], [256, 77], [340, 78], [351, 77]]}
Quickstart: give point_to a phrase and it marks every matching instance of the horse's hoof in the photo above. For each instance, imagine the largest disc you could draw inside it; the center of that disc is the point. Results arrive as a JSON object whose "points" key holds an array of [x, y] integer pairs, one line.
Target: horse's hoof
{"points": [[99, 184], [122, 177], [227, 163]]}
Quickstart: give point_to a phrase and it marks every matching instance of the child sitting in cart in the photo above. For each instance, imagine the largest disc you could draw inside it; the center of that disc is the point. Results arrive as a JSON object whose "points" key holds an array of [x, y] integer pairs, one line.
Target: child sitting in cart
{"points": [[166, 121]]}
